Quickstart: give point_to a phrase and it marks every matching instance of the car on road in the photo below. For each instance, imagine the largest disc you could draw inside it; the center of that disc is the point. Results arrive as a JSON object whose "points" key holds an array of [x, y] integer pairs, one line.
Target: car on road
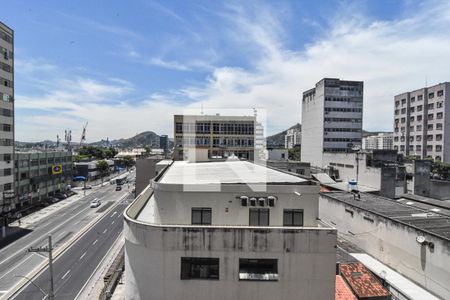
{"points": [[61, 196], [87, 187], [95, 203], [118, 188]]}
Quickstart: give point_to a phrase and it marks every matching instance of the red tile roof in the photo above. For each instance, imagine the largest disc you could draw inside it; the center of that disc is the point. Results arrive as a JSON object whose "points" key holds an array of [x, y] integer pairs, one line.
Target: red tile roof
{"points": [[343, 292], [362, 282]]}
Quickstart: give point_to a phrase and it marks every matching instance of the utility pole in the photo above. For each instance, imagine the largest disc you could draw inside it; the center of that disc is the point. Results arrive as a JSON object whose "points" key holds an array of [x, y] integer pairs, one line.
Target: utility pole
{"points": [[49, 249]]}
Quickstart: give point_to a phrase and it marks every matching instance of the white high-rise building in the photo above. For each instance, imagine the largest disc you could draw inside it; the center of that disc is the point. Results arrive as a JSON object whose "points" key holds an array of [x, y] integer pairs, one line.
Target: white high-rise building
{"points": [[331, 119], [380, 141], [6, 116], [421, 122], [292, 138], [228, 230]]}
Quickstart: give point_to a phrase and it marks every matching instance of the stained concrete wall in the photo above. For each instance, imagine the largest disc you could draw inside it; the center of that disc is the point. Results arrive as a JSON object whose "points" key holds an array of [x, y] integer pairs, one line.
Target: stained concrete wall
{"points": [[422, 177], [392, 243], [306, 262], [145, 170]]}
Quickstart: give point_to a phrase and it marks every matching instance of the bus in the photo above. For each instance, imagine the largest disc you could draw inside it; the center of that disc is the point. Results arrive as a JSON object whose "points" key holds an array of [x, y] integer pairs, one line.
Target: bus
{"points": [[122, 180]]}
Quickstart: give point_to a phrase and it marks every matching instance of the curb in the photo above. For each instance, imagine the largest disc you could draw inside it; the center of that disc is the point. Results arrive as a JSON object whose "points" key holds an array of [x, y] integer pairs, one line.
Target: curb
{"points": [[12, 292]]}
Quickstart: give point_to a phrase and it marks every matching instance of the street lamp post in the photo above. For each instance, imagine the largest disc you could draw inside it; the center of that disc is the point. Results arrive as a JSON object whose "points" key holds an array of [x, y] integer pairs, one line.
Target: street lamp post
{"points": [[49, 249]]}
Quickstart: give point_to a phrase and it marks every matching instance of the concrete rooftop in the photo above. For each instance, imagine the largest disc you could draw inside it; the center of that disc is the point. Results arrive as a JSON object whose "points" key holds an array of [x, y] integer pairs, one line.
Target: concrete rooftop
{"points": [[426, 219], [225, 172]]}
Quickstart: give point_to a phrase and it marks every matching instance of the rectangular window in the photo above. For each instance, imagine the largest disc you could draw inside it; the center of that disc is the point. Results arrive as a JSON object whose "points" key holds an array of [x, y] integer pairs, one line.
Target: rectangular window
{"points": [[430, 105], [438, 126], [258, 269], [419, 108], [439, 115], [431, 95], [201, 216], [440, 93], [259, 217], [199, 268], [413, 99], [419, 127], [412, 109], [293, 217]]}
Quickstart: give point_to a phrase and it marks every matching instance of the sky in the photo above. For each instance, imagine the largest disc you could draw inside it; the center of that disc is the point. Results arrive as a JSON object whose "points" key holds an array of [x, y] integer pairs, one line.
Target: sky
{"points": [[129, 66]]}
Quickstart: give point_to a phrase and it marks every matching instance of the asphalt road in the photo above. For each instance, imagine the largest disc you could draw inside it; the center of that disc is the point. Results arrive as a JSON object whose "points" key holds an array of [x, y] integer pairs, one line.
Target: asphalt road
{"points": [[73, 268], [62, 225]]}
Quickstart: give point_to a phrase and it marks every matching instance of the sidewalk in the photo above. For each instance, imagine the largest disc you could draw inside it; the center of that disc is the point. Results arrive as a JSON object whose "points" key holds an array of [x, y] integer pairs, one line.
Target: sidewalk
{"points": [[94, 285]]}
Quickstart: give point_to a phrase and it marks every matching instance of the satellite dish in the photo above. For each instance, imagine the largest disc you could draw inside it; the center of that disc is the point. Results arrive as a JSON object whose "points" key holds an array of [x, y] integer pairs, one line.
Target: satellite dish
{"points": [[420, 239]]}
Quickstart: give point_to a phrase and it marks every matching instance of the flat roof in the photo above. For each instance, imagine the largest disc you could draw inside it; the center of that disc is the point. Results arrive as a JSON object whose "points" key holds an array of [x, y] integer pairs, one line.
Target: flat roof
{"points": [[426, 219], [361, 281], [225, 172]]}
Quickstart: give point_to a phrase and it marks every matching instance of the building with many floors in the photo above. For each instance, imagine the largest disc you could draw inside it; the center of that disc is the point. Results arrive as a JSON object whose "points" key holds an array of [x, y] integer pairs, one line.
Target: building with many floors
{"points": [[228, 230], [218, 136], [6, 115], [293, 138], [331, 119], [40, 175], [421, 122], [380, 141]]}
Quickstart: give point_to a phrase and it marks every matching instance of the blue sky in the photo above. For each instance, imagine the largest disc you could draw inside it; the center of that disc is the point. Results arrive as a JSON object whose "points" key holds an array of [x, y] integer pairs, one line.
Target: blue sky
{"points": [[126, 67]]}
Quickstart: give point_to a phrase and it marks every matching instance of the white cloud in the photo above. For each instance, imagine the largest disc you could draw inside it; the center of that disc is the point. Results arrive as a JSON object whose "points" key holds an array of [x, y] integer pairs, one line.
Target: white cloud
{"points": [[389, 56]]}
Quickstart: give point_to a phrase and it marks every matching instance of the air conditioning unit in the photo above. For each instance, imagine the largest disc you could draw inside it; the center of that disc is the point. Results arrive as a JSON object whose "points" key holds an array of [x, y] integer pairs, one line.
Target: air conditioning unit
{"points": [[262, 201], [271, 200], [244, 200], [253, 201]]}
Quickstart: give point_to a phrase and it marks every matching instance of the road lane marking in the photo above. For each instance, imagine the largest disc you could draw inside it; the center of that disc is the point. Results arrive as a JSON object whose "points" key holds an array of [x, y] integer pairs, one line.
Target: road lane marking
{"points": [[113, 214], [60, 234], [65, 274], [82, 255], [95, 242], [16, 266], [112, 222], [104, 231]]}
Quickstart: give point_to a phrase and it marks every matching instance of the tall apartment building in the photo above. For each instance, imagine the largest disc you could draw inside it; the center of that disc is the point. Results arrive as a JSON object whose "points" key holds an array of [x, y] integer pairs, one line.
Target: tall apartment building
{"points": [[214, 136], [228, 230], [380, 141], [6, 116], [292, 138], [331, 119], [422, 122]]}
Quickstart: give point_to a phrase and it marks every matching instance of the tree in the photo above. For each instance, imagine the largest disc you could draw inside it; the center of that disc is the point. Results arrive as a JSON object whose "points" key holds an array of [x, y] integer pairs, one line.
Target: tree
{"points": [[294, 153], [441, 169], [103, 168], [128, 161]]}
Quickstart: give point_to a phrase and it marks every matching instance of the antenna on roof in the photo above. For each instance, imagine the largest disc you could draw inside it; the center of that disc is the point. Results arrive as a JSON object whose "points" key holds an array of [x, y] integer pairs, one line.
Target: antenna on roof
{"points": [[426, 81]]}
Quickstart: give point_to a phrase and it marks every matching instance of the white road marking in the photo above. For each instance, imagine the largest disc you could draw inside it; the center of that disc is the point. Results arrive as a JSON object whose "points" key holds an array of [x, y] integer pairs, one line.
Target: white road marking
{"points": [[15, 267], [82, 255], [113, 214], [104, 231], [68, 271], [112, 222], [95, 242], [60, 234]]}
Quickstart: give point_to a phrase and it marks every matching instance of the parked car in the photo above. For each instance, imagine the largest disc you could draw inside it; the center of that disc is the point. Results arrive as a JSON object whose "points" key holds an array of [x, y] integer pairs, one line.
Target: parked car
{"points": [[87, 187], [112, 181], [95, 203], [61, 196], [118, 188]]}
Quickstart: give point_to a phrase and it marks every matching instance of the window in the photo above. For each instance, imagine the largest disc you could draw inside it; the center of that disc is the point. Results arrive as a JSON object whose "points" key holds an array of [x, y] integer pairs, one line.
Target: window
{"points": [[396, 112], [413, 99], [430, 95], [199, 268], [418, 148], [411, 128], [411, 119], [438, 126], [430, 105], [293, 217], [438, 137], [430, 148], [412, 109], [440, 93], [429, 137], [419, 127], [420, 97], [439, 115], [430, 126], [430, 116], [258, 269], [403, 110], [438, 148], [403, 101], [396, 139], [259, 217], [201, 216], [397, 103], [419, 118], [419, 108], [418, 138], [7, 172], [439, 104], [282, 155], [403, 120]]}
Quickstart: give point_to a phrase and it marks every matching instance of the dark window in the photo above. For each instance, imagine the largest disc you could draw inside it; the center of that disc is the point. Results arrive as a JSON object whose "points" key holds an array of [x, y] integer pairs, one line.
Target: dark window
{"points": [[199, 268], [259, 217], [420, 97], [7, 172], [201, 216], [440, 93], [258, 269], [293, 217]]}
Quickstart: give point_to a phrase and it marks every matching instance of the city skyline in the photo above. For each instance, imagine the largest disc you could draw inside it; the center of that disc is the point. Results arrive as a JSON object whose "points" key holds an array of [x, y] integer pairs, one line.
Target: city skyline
{"points": [[143, 63]]}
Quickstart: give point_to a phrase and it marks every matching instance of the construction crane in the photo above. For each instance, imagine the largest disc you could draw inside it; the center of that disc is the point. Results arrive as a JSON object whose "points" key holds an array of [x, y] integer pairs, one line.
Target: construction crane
{"points": [[83, 134]]}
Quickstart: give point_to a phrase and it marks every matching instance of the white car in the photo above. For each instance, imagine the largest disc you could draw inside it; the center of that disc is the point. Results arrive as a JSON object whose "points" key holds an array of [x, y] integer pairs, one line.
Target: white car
{"points": [[95, 203]]}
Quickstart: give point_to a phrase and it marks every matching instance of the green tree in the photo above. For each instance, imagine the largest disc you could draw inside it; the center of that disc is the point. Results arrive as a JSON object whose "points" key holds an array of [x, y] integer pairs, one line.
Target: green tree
{"points": [[294, 153], [128, 161], [103, 168], [441, 169]]}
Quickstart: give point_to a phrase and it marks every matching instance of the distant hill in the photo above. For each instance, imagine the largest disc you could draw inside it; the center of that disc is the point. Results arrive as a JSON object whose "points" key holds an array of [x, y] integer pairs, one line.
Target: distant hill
{"points": [[146, 138], [277, 140]]}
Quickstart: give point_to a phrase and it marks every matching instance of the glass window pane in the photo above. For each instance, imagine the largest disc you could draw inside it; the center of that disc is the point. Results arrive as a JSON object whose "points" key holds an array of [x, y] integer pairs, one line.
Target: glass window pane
{"points": [[196, 216], [264, 217], [254, 217], [287, 218], [206, 220], [298, 218]]}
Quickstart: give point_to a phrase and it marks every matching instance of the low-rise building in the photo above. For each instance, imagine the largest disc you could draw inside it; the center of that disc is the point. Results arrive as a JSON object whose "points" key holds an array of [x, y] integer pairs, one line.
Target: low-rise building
{"points": [[277, 154], [229, 228], [89, 169], [40, 175]]}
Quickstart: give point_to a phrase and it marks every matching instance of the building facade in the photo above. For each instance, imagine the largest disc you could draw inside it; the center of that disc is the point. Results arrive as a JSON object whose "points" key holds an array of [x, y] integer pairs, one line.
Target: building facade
{"points": [[380, 141], [40, 175], [219, 136], [331, 119], [228, 230], [421, 122], [292, 138], [6, 116], [164, 143], [89, 169]]}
